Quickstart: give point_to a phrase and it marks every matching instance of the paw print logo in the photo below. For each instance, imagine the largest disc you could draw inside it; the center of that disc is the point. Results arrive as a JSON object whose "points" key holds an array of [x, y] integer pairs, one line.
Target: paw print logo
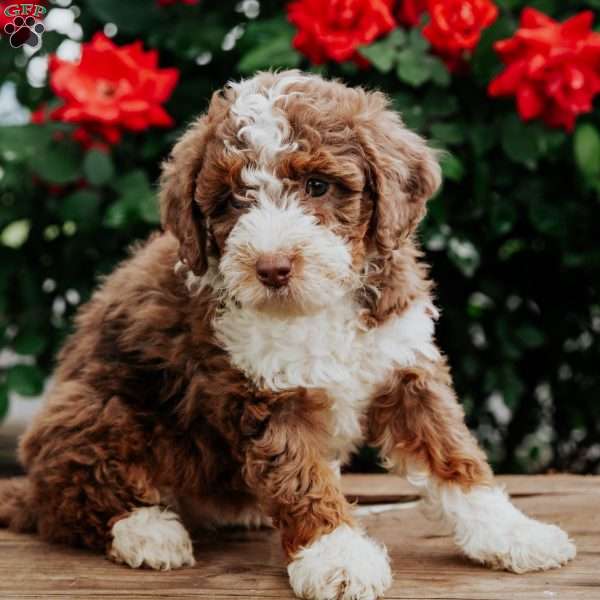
{"points": [[24, 31]]}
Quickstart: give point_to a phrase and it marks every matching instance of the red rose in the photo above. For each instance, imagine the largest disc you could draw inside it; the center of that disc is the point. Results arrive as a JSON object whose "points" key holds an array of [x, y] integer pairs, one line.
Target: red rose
{"points": [[552, 68], [334, 29], [455, 26], [411, 11], [112, 88]]}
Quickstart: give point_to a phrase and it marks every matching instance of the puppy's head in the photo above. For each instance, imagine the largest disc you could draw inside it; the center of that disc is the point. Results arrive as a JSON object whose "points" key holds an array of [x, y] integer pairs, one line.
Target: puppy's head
{"points": [[290, 185]]}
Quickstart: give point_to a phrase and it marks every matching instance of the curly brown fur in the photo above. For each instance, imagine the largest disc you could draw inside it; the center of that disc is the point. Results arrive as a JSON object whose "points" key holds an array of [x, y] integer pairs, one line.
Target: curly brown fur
{"points": [[193, 384], [145, 399], [418, 419]]}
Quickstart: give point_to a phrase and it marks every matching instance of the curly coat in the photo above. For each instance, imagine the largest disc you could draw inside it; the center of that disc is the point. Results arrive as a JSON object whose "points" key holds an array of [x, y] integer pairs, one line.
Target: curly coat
{"points": [[150, 406]]}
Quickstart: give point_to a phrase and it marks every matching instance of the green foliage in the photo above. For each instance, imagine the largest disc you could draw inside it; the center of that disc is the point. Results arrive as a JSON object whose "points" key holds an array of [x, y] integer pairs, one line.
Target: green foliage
{"points": [[587, 153], [512, 237], [409, 54], [268, 46]]}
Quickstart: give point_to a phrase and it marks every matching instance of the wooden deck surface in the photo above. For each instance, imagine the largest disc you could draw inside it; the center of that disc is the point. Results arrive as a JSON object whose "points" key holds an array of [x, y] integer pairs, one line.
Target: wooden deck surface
{"points": [[249, 564]]}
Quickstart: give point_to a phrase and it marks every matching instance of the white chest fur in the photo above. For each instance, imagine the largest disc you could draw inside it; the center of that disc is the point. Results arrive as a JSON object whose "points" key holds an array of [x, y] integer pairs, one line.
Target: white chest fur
{"points": [[330, 350]]}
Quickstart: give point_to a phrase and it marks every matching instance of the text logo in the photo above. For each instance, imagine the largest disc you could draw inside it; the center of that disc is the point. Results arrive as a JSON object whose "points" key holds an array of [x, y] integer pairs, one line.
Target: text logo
{"points": [[25, 27]]}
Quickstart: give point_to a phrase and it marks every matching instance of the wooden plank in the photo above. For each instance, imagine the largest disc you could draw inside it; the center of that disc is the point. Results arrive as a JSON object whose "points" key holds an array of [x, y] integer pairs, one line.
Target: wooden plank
{"points": [[249, 564], [390, 488]]}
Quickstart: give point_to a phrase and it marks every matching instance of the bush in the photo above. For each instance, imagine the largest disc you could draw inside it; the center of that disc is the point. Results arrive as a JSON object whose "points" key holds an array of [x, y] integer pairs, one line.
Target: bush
{"points": [[512, 237]]}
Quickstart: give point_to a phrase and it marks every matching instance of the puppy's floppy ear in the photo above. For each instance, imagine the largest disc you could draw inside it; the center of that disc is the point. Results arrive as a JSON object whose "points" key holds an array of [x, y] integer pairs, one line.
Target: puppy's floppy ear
{"points": [[403, 173], [180, 214]]}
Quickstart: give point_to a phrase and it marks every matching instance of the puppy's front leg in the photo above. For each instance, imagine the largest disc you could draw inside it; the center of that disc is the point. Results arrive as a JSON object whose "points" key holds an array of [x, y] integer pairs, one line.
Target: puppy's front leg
{"points": [[286, 463], [420, 428]]}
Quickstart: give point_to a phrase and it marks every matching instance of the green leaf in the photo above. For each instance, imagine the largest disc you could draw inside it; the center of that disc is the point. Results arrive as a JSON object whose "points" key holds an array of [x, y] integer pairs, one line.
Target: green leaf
{"points": [[28, 343], [23, 141], [550, 142], [381, 56], [273, 48], [452, 167], [416, 40], [397, 38], [276, 54], [58, 164], [117, 215], [148, 209], [530, 336], [503, 216], [413, 68], [512, 388], [98, 167], [439, 72], [26, 380], [384, 53], [510, 248], [137, 201], [587, 150], [518, 142], [448, 133], [81, 206]]}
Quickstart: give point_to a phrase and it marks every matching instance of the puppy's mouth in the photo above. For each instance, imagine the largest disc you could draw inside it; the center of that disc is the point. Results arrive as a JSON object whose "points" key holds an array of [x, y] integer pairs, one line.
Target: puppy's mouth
{"points": [[283, 285]]}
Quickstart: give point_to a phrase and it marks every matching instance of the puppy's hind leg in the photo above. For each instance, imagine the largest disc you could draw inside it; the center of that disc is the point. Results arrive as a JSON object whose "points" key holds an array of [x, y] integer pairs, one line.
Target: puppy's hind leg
{"points": [[90, 483]]}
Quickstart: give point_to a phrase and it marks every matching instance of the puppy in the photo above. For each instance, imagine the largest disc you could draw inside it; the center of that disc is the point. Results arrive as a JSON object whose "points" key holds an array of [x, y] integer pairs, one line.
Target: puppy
{"points": [[223, 373]]}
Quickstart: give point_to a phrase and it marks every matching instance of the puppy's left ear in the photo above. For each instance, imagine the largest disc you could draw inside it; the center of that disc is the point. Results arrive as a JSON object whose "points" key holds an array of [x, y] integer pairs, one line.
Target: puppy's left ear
{"points": [[403, 173], [180, 213]]}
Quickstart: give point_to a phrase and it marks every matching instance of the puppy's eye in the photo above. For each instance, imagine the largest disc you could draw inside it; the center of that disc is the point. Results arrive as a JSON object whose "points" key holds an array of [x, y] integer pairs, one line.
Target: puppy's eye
{"points": [[231, 200], [316, 187], [236, 202]]}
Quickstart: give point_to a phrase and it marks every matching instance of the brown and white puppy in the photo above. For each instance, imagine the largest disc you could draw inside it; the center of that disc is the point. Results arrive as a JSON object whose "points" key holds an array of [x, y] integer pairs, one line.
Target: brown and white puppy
{"points": [[223, 372]]}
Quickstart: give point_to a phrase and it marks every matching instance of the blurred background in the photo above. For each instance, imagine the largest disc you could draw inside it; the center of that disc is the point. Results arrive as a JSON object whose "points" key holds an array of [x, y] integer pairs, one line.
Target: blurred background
{"points": [[90, 107]]}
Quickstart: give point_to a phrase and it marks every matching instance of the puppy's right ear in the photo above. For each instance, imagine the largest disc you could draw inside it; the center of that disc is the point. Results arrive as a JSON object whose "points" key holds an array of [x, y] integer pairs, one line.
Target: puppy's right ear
{"points": [[179, 211]]}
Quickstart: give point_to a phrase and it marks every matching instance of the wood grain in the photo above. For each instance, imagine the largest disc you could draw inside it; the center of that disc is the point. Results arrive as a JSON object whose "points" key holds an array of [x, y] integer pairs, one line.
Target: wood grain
{"points": [[249, 564]]}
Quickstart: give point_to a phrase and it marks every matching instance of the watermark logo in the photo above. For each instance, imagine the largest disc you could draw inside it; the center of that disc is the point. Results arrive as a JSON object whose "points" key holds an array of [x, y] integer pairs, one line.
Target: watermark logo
{"points": [[26, 27]]}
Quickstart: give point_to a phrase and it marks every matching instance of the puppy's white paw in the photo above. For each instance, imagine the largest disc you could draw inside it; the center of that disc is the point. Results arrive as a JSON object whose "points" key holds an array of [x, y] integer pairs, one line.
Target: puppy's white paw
{"points": [[152, 537], [527, 545], [342, 565], [504, 538]]}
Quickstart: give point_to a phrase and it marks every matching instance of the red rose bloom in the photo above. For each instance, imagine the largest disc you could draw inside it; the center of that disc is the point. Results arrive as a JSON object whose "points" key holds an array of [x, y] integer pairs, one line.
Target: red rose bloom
{"points": [[455, 26], [411, 11], [112, 88], [552, 68], [334, 29]]}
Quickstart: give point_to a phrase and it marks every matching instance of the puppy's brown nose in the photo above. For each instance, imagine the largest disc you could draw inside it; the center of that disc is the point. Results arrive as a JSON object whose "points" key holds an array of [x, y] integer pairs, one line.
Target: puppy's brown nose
{"points": [[274, 269]]}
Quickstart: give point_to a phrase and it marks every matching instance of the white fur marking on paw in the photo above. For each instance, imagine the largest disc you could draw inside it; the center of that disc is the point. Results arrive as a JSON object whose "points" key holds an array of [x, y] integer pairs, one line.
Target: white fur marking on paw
{"points": [[342, 565], [491, 530], [152, 537]]}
